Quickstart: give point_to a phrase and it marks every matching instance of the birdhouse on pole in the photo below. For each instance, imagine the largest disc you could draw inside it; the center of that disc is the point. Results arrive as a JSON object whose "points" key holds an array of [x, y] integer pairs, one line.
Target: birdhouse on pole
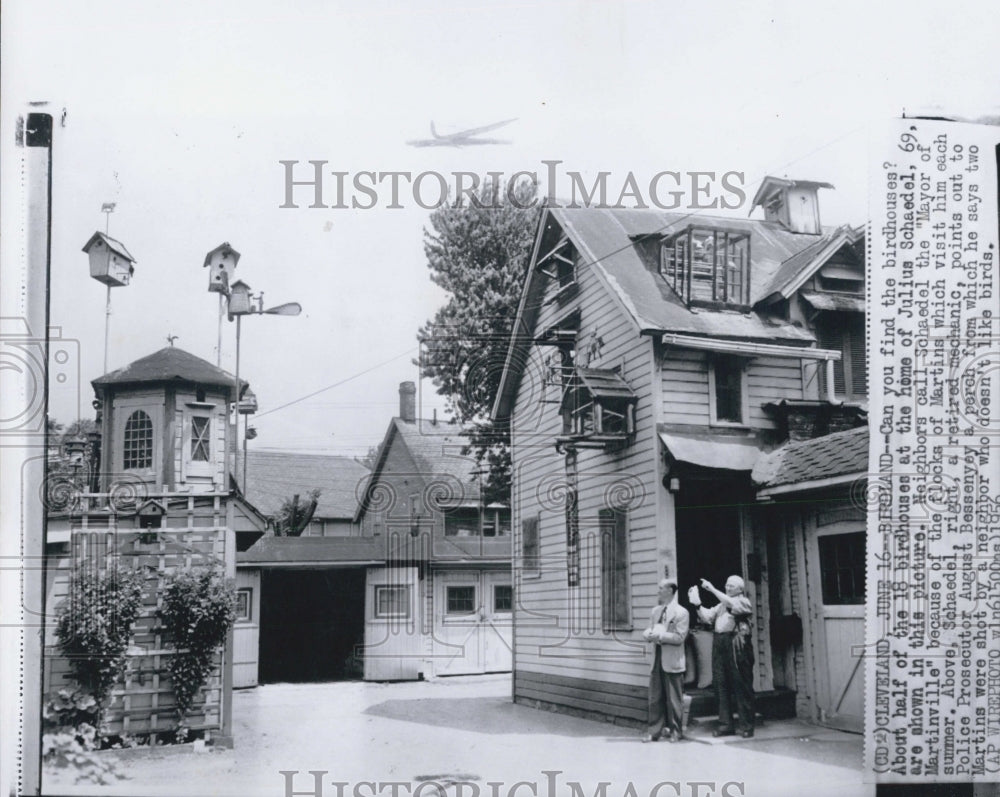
{"points": [[221, 263], [110, 261], [240, 301]]}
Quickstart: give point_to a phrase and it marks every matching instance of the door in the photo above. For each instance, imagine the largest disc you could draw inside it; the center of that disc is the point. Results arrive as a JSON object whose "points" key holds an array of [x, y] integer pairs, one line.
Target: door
{"points": [[458, 615], [473, 613], [837, 613], [392, 624], [246, 631], [498, 633]]}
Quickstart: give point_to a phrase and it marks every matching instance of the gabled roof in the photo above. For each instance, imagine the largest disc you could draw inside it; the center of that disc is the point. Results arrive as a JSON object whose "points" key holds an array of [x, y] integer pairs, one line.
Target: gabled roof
{"points": [[274, 476], [841, 454], [771, 185], [169, 364], [115, 246], [435, 448], [619, 245], [794, 271]]}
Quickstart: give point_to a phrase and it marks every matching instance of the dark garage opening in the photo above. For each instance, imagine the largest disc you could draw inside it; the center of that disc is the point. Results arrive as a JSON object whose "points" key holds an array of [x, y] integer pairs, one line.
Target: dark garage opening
{"points": [[312, 624]]}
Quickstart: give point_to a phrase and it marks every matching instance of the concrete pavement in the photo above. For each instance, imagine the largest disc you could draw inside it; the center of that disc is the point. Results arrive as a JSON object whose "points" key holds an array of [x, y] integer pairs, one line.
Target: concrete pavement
{"points": [[465, 734]]}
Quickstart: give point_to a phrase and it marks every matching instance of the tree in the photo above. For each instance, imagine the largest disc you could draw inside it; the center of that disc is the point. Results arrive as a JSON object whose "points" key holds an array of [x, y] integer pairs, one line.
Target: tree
{"points": [[478, 252], [369, 459], [295, 514]]}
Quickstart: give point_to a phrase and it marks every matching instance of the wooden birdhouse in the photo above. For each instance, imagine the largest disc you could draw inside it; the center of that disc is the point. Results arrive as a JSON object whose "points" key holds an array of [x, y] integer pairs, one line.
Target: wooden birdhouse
{"points": [[221, 263], [110, 261]]}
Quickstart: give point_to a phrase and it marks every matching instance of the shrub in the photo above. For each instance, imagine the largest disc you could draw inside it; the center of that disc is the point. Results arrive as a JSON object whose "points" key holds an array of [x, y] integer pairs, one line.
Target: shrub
{"points": [[198, 609], [94, 626]]}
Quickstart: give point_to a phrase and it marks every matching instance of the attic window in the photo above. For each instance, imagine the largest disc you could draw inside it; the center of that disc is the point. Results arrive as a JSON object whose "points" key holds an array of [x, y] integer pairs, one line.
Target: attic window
{"points": [[559, 265], [708, 266], [598, 409]]}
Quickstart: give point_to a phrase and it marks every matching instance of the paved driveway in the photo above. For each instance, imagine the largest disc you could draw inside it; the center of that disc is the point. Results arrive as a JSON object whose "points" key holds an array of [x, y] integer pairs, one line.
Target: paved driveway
{"points": [[467, 730]]}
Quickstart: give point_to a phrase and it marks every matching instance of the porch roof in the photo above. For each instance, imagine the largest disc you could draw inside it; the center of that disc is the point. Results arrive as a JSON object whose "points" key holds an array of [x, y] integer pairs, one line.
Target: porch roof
{"points": [[303, 551], [713, 451], [808, 463]]}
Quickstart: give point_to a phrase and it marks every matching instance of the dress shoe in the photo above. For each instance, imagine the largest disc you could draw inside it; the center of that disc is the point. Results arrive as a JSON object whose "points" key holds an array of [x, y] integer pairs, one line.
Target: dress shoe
{"points": [[723, 732], [680, 737], [650, 738]]}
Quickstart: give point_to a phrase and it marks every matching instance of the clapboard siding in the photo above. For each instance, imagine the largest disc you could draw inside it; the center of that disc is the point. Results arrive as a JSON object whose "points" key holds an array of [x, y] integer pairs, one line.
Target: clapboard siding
{"points": [[560, 645], [583, 695], [685, 386]]}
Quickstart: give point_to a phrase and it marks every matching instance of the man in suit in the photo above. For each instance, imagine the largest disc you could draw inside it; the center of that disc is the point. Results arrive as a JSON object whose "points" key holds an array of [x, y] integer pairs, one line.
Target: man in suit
{"points": [[668, 629]]}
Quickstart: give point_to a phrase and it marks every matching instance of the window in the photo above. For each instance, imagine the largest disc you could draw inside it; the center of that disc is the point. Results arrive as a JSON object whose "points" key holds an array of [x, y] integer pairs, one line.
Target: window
{"points": [[392, 601], [529, 546], [244, 605], [200, 428], [726, 377], [137, 442], [496, 522], [842, 568], [461, 599], [462, 523], [503, 598], [844, 332], [708, 265], [615, 591]]}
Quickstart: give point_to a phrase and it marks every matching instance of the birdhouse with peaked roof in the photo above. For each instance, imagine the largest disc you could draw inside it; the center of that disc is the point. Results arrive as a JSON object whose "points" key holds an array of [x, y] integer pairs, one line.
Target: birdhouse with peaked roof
{"points": [[110, 261], [221, 263]]}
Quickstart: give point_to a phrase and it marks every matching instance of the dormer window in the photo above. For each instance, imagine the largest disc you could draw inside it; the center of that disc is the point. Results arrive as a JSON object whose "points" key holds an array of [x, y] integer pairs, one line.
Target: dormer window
{"points": [[708, 266], [598, 409]]}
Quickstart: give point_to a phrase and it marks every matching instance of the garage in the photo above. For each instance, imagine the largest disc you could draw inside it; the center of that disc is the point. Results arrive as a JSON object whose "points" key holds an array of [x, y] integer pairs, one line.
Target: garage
{"points": [[302, 618], [312, 624]]}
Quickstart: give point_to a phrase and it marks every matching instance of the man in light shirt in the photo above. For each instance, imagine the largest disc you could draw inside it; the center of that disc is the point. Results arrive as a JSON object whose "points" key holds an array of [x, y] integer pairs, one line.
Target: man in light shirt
{"points": [[668, 629], [732, 653]]}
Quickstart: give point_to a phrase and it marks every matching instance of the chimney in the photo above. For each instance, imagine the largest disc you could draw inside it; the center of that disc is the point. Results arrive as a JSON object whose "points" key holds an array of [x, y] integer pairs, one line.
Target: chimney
{"points": [[794, 204], [408, 402]]}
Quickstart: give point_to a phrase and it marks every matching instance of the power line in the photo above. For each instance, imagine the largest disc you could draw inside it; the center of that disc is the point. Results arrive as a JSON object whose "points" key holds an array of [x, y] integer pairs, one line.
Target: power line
{"points": [[335, 384]]}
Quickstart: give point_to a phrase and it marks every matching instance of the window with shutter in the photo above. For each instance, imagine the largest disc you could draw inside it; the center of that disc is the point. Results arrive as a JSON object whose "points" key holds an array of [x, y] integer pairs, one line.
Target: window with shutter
{"points": [[856, 357], [529, 546], [845, 332], [615, 591]]}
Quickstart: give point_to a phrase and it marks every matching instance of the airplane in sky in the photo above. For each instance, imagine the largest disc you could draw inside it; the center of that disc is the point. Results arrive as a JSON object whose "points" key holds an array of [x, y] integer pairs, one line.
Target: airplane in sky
{"points": [[463, 138]]}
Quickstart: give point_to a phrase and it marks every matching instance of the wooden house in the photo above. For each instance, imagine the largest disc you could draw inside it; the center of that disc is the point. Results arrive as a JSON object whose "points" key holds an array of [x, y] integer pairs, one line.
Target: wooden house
{"points": [[160, 501], [655, 357], [420, 586]]}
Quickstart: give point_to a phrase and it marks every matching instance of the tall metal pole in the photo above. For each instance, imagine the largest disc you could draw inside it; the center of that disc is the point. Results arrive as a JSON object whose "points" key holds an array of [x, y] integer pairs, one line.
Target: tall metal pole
{"points": [[107, 304], [236, 405], [218, 347], [107, 328], [246, 422]]}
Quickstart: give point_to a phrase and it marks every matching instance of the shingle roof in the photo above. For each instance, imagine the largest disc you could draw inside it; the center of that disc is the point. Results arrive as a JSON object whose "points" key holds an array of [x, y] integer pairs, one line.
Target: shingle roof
{"points": [[611, 240], [437, 451], [169, 364], [313, 550], [837, 454], [274, 476]]}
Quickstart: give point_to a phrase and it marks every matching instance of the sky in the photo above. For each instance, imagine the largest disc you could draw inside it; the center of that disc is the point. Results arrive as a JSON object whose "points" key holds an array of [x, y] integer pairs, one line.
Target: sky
{"points": [[180, 113]]}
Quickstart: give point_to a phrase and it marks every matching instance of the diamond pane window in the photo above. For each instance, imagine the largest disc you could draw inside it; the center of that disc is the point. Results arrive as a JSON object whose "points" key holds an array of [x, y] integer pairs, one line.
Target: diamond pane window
{"points": [[137, 442], [200, 427]]}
